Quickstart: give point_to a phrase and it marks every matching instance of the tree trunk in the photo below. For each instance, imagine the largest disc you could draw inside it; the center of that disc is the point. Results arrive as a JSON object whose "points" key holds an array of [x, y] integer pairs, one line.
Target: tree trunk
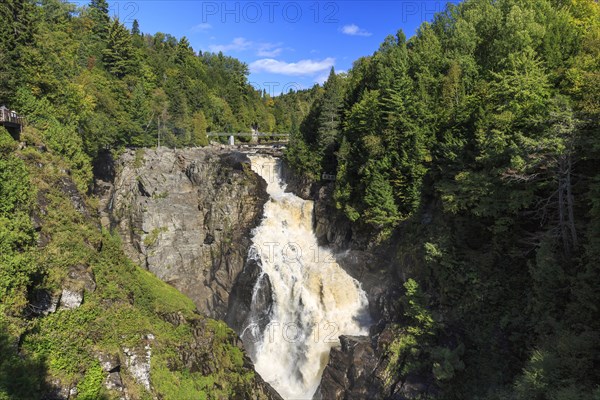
{"points": [[570, 202], [561, 206]]}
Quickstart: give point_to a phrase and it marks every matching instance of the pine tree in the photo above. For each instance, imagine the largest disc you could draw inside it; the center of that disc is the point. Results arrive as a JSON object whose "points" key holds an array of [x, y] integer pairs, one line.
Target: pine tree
{"points": [[119, 56], [381, 210], [100, 15], [135, 28], [329, 120], [183, 51], [16, 32], [199, 126]]}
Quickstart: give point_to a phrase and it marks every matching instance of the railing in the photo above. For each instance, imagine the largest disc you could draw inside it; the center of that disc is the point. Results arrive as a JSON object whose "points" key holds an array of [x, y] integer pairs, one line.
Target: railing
{"points": [[248, 134], [12, 117]]}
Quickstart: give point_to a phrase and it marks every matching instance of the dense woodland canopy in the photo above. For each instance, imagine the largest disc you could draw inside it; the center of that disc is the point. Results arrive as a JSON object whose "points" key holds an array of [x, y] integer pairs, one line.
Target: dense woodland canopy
{"points": [[87, 75], [475, 146]]}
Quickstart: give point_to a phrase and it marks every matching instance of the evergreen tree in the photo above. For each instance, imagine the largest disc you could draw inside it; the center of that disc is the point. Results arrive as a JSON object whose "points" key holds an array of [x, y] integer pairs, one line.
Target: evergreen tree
{"points": [[99, 12], [135, 28], [329, 120], [17, 31], [119, 56]]}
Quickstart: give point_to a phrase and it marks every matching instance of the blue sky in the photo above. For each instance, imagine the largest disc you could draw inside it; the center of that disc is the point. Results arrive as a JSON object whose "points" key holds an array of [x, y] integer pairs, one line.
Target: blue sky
{"points": [[287, 44]]}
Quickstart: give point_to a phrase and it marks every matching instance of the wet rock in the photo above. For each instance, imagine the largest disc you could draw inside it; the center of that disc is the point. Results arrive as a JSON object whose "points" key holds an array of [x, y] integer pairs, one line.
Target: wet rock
{"points": [[242, 306], [351, 371], [298, 185], [358, 370]]}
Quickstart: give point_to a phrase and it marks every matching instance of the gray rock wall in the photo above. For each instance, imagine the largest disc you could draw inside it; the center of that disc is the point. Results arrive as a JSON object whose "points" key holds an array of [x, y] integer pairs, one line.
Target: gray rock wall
{"points": [[186, 215]]}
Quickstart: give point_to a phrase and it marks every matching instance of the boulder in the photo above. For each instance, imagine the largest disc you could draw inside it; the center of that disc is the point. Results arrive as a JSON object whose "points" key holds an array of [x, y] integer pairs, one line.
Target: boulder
{"points": [[71, 299], [43, 302]]}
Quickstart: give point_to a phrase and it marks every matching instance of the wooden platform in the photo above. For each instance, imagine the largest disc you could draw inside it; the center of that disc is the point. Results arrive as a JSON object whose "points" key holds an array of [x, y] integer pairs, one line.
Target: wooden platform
{"points": [[12, 121]]}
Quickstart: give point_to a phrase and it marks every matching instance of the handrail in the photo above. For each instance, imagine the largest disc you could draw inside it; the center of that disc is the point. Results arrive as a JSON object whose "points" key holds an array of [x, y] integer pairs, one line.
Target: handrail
{"points": [[248, 134], [7, 115]]}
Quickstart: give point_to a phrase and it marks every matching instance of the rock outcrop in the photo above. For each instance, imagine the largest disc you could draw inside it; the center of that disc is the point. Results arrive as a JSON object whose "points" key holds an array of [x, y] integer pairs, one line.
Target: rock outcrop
{"points": [[358, 370], [137, 361], [352, 371], [248, 299], [186, 216]]}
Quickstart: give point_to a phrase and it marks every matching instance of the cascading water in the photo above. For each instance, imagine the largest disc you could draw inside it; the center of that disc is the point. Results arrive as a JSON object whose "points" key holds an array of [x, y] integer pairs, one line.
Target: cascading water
{"points": [[313, 299]]}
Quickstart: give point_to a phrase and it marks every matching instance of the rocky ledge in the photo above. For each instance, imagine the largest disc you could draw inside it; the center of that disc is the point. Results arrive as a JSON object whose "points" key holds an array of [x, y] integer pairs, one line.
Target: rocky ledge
{"points": [[185, 215]]}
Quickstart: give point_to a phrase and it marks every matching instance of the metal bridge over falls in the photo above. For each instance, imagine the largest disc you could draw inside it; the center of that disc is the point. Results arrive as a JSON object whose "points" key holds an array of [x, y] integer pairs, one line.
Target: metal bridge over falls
{"points": [[249, 134], [254, 136]]}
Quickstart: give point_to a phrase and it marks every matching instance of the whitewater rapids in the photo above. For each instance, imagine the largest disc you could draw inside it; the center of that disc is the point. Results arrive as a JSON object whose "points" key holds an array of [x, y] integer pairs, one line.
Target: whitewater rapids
{"points": [[314, 299]]}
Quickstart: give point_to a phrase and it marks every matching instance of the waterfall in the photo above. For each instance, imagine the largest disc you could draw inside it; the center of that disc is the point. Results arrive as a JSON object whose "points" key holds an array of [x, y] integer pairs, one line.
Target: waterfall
{"points": [[314, 300]]}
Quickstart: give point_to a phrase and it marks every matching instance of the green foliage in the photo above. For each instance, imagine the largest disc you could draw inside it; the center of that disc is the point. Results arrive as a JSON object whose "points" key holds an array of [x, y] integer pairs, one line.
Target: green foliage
{"points": [[92, 384], [479, 138], [199, 126], [151, 238], [413, 351], [380, 208], [17, 236], [88, 73], [7, 143], [99, 13], [20, 376], [65, 141], [119, 56]]}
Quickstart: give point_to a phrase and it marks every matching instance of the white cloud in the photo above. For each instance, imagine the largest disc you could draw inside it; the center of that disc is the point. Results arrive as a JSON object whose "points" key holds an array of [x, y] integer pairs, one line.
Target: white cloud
{"points": [[302, 67], [354, 30], [201, 27], [269, 50], [237, 44], [263, 49]]}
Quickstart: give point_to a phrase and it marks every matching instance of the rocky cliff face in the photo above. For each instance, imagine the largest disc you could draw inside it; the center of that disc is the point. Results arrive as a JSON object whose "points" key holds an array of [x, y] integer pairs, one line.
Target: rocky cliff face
{"points": [[186, 216]]}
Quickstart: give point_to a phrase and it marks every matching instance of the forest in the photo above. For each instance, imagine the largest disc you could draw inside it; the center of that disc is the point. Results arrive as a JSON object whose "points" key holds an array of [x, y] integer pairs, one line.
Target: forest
{"points": [[473, 148], [91, 78]]}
